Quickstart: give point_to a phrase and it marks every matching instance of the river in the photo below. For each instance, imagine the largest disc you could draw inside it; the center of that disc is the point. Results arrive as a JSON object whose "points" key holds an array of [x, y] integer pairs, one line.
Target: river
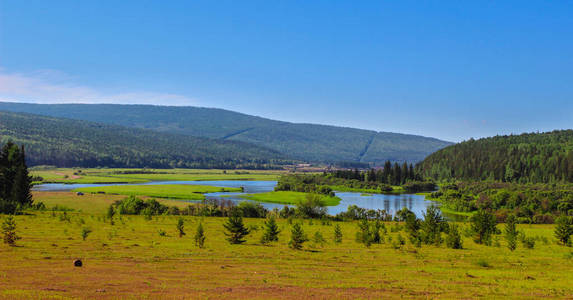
{"points": [[388, 202]]}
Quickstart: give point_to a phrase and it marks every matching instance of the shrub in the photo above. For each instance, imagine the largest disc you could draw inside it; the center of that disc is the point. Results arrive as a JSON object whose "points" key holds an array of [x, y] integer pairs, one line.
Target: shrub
{"points": [[564, 229], [483, 263], [252, 210], [417, 186], [85, 232], [528, 242], [181, 227], [311, 207]]}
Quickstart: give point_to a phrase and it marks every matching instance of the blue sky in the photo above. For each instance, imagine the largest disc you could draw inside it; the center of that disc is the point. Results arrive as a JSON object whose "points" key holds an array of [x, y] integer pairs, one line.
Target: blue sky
{"points": [[451, 70]]}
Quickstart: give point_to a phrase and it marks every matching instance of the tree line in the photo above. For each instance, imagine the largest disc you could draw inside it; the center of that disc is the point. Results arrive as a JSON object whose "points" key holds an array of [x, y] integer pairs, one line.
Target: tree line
{"points": [[530, 203], [392, 174], [526, 158]]}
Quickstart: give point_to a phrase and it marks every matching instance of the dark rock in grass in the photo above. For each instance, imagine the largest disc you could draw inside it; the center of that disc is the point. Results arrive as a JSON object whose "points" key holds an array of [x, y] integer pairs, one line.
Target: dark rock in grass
{"points": [[78, 263]]}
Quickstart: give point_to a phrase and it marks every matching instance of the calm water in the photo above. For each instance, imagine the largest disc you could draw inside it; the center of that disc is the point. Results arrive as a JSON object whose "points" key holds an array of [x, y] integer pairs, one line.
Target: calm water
{"points": [[390, 203]]}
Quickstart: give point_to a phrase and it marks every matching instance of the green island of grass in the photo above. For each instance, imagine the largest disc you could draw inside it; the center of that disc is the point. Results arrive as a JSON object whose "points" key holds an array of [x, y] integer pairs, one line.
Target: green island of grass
{"points": [[168, 191], [283, 197]]}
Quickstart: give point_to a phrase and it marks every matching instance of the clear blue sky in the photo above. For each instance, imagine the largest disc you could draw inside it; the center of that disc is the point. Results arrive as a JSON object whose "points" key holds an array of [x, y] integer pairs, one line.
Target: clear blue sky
{"points": [[451, 70]]}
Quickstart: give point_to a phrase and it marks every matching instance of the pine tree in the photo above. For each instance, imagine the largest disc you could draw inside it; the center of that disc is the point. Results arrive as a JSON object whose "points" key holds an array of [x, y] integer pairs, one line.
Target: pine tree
{"points": [[272, 231], [511, 232], [199, 236], [22, 181], [297, 237], [397, 174], [337, 234], [364, 234], [9, 231], [15, 182], [412, 173], [483, 224], [454, 239], [318, 239], [433, 225], [564, 229], [405, 173], [235, 229], [181, 227]]}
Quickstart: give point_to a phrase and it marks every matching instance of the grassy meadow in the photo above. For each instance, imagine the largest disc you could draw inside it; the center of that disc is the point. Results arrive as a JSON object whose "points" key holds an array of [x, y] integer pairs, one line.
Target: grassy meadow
{"points": [[68, 175], [135, 258], [287, 197], [132, 257], [168, 191]]}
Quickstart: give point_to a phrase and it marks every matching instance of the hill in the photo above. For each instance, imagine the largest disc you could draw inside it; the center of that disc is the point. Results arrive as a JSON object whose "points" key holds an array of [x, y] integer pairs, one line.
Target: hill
{"points": [[72, 143], [306, 142], [527, 158]]}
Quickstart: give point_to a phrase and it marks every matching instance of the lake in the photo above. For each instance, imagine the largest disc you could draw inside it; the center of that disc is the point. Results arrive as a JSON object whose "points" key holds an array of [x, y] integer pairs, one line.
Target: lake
{"points": [[388, 202]]}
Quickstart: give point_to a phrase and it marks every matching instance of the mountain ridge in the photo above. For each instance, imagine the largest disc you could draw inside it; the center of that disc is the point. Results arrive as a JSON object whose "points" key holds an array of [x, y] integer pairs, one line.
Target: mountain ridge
{"points": [[75, 143], [303, 141]]}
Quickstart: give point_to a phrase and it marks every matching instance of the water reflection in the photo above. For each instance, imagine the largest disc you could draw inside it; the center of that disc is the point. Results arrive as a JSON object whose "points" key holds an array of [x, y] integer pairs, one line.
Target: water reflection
{"points": [[390, 203]]}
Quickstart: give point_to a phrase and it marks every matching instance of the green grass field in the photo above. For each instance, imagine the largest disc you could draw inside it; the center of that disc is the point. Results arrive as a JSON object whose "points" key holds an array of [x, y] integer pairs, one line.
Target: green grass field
{"points": [[67, 175], [131, 258], [283, 197], [168, 191], [340, 188]]}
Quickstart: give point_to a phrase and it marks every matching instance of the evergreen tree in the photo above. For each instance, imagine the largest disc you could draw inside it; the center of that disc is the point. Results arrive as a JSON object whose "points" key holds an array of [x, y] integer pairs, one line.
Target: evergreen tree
{"points": [[433, 225], [235, 229], [564, 229], [405, 173], [483, 225], [387, 172], [9, 231], [375, 231], [271, 233], [397, 175], [454, 239], [337, 234], [15, 182], [511, 232], [199, 236], [181, 227], [364, 235], [413, 226], [318, 239], [412, 173], [297, 237]]}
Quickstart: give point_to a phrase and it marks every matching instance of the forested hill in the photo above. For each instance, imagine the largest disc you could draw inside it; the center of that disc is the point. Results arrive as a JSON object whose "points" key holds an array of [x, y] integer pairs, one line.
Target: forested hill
{"points": [[72, 143], [527, 158], [306, 142]]}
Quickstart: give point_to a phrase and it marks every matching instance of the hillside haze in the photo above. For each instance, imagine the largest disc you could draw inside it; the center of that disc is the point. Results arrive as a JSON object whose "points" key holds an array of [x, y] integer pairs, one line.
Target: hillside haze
{"points": [[307, 142], [74, 143]]}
